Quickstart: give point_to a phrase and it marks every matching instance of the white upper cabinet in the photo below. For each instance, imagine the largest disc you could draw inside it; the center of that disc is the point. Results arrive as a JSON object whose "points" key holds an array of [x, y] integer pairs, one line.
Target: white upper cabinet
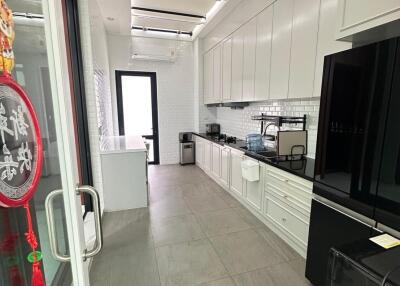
{"points": [[304, 48], [357, 16], [281, 45], [237, 66], [249, 59], [217, 72], [208, 77], [226, 70], [263, 54]]}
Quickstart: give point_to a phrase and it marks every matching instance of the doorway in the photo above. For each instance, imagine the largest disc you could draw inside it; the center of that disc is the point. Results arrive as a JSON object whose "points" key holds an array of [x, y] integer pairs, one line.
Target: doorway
{"points": [[137, 108]]}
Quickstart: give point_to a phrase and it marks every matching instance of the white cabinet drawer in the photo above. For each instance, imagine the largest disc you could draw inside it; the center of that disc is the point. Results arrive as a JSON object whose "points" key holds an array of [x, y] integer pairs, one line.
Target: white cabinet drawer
{"points": [[303, 185], [295, 225], [302, 205], [288, 188]]}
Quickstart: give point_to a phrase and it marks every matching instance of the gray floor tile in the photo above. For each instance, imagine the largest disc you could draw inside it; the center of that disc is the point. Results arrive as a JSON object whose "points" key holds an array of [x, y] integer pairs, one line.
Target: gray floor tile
{"points": [[277, 275], [278, 244], [230, 200], [169, 207], [176, 229], [185, 203], [259, 277], [244, 251], [221, 222], [125, 266], [249, 217], [220, 282], [206, 204], [189, 263]]}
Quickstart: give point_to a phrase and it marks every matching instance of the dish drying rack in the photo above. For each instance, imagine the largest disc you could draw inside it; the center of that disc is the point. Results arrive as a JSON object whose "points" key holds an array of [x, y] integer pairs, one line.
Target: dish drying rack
{"points": [[279, 121]]}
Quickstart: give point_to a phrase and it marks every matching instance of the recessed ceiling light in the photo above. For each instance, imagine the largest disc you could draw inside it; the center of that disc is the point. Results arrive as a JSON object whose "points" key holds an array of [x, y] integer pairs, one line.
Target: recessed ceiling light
{"points": [[110, 18]]}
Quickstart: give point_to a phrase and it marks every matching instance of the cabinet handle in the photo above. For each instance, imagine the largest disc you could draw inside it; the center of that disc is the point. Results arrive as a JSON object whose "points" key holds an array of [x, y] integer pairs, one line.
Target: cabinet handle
{"points": [[282, 180]]}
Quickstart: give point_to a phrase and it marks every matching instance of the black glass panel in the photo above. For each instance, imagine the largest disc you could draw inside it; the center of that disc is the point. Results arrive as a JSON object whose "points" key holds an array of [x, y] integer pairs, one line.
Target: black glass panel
{"points": [[388, 197], [354, 101]]}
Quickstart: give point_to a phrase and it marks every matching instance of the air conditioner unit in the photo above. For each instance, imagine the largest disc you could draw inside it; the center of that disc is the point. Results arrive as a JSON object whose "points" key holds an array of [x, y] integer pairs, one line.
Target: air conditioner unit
{"points": [[171, 57]]}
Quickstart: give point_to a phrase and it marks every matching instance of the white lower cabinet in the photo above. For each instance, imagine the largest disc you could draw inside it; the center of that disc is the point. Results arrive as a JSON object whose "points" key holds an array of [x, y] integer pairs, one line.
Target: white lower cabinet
{"points": [[253, 191], [225, 166], [216, 160], [287, 205], [285, 216], [236, 184], [199, 147], [207, 156], [279, 199]]}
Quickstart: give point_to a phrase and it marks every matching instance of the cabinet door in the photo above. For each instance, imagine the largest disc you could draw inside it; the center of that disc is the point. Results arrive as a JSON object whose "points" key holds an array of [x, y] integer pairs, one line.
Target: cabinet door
{"points": [[356, 16], [304, 48], [208, 87], [225, 163], [226, 70], [217, 72], [249, 59], [237, 66], [236, 184], [207, 156], [281, 43], [254, 191], [263, 54], [199, 152], [216, 160]]}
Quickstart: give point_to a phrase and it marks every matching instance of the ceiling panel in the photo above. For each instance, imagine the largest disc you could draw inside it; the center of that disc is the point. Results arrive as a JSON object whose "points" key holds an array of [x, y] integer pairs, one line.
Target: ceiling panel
{"points": [[198, 7], [163, 24]]}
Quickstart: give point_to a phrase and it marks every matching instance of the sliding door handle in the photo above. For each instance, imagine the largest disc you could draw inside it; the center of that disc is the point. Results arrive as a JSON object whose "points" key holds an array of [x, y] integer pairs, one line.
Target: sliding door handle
{"points": [[51, 227], [97, 219]]}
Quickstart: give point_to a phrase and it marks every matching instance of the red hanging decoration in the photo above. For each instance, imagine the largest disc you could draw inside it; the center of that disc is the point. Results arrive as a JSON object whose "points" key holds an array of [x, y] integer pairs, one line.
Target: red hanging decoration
{"points": [[21, 149], [37, 276]]}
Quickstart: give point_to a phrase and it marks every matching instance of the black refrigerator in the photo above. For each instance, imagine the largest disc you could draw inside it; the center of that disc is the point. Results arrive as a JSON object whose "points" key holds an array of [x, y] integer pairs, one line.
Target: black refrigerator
{"points": [[358, 148]]}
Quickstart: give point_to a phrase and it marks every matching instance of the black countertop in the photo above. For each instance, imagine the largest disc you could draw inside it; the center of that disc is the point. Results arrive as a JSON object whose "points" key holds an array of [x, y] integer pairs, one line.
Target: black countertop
{"points": [[303, 168]]}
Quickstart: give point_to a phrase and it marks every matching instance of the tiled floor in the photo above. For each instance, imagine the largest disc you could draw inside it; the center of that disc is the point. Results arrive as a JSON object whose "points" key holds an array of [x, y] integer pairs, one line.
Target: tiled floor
{"points": [[193, 233]]}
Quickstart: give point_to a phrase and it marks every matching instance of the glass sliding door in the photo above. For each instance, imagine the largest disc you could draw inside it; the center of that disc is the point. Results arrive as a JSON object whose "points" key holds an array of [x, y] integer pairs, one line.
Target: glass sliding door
{"points": [[137, 108], [41, 69]]}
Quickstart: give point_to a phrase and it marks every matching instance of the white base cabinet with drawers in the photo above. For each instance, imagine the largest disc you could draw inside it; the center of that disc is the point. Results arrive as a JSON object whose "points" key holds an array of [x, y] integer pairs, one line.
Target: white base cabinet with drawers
{"points": [[281, 200]]}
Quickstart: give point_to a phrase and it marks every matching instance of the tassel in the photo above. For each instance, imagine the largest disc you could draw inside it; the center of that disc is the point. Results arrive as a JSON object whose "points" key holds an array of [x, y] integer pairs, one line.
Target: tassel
{"points": [[37, 275]]}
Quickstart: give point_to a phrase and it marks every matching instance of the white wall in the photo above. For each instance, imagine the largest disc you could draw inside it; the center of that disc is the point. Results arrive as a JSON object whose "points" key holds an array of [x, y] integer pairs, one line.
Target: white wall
{"points": [[97, 84], [175, 87]]}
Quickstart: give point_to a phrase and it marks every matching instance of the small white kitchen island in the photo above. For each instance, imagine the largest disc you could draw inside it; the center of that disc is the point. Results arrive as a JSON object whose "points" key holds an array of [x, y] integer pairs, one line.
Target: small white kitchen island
{"points": [[125, 177]]}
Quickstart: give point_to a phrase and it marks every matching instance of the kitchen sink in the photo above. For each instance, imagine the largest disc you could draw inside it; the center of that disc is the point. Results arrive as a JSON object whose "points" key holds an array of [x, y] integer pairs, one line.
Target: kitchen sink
{"points": [[264, 153], [268, 154]]}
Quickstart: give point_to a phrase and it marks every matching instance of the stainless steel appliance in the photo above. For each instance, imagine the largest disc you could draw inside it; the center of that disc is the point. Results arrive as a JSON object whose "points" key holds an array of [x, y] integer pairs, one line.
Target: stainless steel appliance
{"points": [[186, 148], [213, 129]]}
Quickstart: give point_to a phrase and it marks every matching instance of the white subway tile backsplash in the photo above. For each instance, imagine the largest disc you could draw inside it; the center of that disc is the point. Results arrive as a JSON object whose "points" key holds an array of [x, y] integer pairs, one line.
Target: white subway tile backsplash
{"points": [[237, 122]]}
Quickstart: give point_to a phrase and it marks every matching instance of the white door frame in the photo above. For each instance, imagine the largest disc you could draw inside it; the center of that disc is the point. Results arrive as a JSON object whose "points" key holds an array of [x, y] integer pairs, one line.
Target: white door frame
{"points": [[61, 93]]}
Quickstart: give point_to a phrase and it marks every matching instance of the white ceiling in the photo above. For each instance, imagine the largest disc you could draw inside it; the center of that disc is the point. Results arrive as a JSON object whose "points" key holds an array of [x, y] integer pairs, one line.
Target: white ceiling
{"points": [[159, 20], [116, 16], [198, 7]]}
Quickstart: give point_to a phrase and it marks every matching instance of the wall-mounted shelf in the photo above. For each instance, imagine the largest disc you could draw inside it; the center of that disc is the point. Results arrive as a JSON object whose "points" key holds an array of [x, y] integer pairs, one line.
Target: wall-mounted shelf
{"points": [[280, 120]]}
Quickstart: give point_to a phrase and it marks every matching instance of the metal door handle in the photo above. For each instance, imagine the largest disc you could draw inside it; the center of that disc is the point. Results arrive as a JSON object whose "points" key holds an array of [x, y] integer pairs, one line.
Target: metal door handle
{"points": [[51, 227], [52, 230], [97, 220]]}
